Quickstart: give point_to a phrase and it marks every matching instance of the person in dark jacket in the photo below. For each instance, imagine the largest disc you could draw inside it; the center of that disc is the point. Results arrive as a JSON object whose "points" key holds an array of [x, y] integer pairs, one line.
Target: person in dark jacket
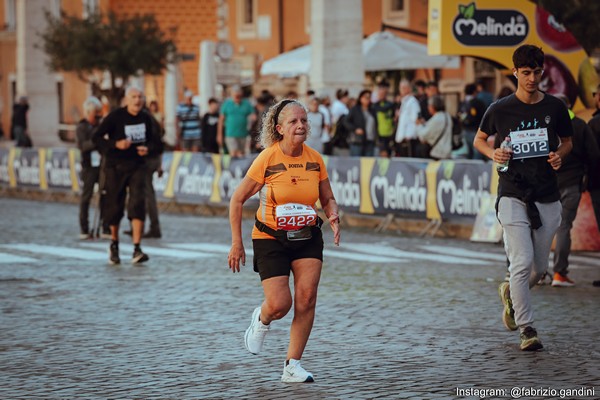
{"points": [[90, 164], [19, 123], [126, 138], [361, 124], [153, 165], [594, 173], [570, 184]]}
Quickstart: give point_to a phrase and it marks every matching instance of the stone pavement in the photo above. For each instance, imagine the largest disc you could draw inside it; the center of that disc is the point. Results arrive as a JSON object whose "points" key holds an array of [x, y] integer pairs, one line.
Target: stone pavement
{"points": [[397, 317]]}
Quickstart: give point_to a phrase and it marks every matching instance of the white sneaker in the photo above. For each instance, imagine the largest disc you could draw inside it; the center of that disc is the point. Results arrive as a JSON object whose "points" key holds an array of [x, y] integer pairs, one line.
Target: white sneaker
{"points": [[293, 373], [255, 334]]}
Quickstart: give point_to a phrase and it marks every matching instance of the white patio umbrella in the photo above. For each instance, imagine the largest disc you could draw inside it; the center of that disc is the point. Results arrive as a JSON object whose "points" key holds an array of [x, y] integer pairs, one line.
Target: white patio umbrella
{"points": [[386, 51], [381, 51], [289, 64]]}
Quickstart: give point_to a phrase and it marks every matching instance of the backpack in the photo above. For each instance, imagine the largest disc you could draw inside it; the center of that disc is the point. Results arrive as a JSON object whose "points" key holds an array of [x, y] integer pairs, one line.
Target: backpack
{"points": [[340, 134], [457, 137]]}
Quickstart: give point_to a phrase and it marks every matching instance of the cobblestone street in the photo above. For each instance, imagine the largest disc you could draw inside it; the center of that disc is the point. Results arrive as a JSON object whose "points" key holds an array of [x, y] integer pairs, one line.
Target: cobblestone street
{"points": [[397, 317]]}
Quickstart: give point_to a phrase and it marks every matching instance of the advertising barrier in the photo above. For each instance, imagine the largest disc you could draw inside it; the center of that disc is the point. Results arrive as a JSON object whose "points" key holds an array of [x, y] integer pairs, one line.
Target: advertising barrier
{"points": [[449, 190], [411, 187]]}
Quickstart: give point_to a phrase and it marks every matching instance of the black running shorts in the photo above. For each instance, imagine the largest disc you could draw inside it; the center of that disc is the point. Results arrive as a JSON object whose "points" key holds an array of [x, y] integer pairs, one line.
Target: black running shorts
{"points": [[119, 178], [273, 258]]}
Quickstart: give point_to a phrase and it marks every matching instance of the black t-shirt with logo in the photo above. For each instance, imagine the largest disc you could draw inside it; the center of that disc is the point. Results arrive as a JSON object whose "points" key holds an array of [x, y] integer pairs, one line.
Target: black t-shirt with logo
{"points": [[529, 179], [118, 125]]}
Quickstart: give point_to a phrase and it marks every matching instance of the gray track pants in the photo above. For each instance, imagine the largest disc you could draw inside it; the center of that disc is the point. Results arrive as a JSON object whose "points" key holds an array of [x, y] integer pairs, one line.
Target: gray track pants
{"points": [[527, 249]]}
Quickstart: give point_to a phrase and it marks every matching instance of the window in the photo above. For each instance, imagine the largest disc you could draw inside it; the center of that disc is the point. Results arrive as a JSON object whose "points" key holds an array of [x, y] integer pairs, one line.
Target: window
{"points": [[10, 15], [246, 19], [248, 12], [90, 7], [395, 12], [397, 5]]}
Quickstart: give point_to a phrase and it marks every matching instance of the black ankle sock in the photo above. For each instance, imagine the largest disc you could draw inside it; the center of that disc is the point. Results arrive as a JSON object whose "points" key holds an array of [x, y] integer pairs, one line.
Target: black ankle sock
{"points": [[114, 242], [136, 247]]}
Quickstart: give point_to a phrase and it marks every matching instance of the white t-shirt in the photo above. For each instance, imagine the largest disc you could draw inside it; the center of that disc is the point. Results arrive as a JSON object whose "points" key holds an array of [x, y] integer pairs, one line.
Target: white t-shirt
{"points": [[316, 121], [407, 120]]}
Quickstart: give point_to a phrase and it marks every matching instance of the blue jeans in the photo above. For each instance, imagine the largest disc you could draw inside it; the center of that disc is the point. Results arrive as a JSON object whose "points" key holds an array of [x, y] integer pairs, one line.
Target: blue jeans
{"points": [[366, 149]]}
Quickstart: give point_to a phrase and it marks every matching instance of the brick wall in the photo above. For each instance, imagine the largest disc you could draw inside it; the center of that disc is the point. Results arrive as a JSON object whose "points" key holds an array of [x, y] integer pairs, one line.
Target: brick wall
{"points": [[195, 21]]}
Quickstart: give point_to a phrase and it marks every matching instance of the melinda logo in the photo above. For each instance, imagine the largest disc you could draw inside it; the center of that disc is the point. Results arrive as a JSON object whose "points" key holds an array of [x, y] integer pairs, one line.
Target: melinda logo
{"points": [[473, 27]]}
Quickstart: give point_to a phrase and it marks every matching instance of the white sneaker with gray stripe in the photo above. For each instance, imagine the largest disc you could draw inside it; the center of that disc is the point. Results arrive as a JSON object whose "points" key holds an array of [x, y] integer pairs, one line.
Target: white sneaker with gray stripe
{"points": [[294, 373], [255, 334]]}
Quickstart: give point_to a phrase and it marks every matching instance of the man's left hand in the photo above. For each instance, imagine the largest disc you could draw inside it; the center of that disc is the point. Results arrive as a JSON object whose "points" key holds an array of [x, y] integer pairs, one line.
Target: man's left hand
{"points": [[142, 150], [555, 160]]}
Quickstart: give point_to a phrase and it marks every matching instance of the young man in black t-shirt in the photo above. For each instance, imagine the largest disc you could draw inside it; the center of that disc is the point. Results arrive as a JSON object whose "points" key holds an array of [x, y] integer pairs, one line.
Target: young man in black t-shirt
{"points": [[210, 121], [528, 205], [125, 137]]}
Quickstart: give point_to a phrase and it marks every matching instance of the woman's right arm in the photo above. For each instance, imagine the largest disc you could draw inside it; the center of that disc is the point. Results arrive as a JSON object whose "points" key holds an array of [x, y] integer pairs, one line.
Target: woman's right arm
{"points": [[247, 188]]}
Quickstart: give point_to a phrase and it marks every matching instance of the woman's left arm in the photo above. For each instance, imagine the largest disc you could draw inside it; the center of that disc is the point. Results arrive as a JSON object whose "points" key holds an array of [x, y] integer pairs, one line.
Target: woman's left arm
{"points": [[331, 208]]}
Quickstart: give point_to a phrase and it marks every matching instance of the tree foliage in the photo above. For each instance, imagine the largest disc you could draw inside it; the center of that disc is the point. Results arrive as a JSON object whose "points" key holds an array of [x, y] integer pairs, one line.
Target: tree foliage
{"points": [[121, 46], [580, 17]]}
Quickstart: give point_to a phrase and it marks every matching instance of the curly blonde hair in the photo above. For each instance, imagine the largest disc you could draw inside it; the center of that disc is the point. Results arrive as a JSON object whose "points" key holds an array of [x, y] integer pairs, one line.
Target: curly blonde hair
{"points": [[268, 133]]}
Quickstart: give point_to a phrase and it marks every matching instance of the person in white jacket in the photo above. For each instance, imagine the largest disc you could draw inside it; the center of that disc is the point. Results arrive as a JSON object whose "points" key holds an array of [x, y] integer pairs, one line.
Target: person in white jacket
{"points": [[437, 131], [406, 132]]}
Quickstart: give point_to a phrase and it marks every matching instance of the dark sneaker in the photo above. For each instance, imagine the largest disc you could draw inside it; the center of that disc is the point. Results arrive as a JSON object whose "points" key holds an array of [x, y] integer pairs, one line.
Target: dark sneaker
{"points": [[152, 235], [114, 254], [508, 313], [106, 235], [139, 257], [530, 340], [84, 236], [544, 280]]}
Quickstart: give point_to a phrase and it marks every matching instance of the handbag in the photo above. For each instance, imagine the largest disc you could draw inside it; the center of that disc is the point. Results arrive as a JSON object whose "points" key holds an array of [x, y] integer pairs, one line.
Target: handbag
{"points": [[425, 148]]}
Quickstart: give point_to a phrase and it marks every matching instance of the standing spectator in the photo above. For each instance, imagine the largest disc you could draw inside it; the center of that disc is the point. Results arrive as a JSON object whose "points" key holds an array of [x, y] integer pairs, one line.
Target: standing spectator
{"points": [[486, 97], [406, 133], [436, 133], [19, 123], [470, 113], [594, 173], [188, 124], [339, 110], [90, 165], [233, 123], [570, 184], [317, 123], [361, 124], [154, 165], [262, 105], [384, 112], [158, 116], [431, 89], [421, 95], [210, 121], [528, 205], [324, 104], [129, 138]]}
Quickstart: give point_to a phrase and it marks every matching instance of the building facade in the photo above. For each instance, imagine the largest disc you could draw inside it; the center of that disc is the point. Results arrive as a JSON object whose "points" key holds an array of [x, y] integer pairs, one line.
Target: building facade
{"points": [[254, 31]]}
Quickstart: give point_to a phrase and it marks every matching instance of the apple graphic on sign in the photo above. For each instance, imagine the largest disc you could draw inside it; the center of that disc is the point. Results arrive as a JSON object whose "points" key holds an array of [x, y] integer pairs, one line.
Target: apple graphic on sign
{"points": [[554, 33], [557, 79]]}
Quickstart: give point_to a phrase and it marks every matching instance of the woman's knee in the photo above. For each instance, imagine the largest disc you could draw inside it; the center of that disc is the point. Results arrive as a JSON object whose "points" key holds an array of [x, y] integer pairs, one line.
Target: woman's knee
{"points": [[278, 308], [305, 300]]}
